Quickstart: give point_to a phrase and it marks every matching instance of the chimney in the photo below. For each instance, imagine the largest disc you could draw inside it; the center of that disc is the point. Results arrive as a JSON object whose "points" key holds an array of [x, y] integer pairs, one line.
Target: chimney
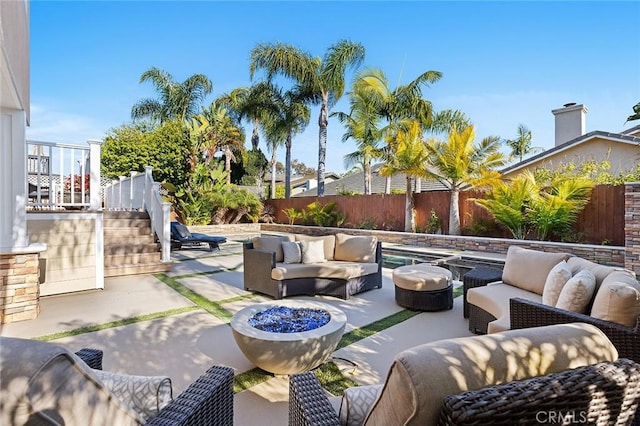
{"points": [[570, 122]]}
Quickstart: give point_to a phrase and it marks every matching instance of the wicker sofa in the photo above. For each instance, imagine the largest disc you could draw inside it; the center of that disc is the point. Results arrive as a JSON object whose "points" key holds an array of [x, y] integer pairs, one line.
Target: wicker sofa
{"points": [[512, 377], [517, 300], [350, 265], [45, 384]]}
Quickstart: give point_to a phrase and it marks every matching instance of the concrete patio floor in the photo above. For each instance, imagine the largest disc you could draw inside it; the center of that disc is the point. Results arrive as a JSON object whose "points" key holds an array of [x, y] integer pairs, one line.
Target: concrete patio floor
{"points": [[183, 345]]}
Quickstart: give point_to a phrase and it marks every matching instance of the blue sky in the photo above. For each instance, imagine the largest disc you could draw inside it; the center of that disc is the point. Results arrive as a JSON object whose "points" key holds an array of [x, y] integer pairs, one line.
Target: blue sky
{"points": [[503, 63]]}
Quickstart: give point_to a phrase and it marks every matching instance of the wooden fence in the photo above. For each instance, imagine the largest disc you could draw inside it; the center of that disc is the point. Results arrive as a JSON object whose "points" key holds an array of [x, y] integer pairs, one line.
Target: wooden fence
{"points": [[601, 222]]}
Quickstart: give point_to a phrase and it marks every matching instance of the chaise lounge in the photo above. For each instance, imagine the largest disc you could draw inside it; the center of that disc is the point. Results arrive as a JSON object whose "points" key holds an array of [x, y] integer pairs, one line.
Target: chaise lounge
{"points": [[180, 236]]}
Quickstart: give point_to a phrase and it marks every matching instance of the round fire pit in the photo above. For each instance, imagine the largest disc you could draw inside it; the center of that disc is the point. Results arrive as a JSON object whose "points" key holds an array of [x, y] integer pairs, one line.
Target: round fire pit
{"points": [[280, 347]]}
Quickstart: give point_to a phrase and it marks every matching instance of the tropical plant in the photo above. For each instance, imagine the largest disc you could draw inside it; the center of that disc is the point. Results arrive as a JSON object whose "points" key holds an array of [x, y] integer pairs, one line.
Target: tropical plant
{"points": [[458, 162], [410, 157], [293, 214], [636, 113], [521, 145], [433, 224], [177, 100], [320, 81], [324, 214]]}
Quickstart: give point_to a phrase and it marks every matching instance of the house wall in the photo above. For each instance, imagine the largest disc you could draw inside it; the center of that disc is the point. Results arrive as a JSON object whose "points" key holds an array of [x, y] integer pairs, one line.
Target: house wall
{"points": [[623, 157], [72, 258]]}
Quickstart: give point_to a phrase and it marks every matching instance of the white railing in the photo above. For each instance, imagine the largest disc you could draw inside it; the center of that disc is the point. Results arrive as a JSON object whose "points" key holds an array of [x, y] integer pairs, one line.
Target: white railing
{"points": [[140, 192], [63, 175]]}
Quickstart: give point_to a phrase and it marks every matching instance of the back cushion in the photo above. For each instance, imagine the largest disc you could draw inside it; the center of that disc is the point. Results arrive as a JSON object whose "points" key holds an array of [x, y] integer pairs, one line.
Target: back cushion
{"points": [[528, 269], [271, 243], [578, 264], [351, 248], [422, 376], [329, 243], [618, 299]]}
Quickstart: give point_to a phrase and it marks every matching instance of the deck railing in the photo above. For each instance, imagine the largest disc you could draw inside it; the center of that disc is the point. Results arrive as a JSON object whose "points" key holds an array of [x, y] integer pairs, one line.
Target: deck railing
{"points": [[63, 175], [139, 192]]}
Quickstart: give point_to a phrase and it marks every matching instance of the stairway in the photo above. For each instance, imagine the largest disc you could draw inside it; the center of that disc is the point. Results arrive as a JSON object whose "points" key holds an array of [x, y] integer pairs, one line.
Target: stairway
{"points": [[130, 248]]}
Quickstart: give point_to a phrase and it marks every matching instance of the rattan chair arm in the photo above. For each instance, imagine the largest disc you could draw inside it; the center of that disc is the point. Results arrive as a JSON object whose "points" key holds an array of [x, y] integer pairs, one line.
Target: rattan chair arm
{"points": [[308, 402], [526, 313], [91, 357], [605, 393], [207, 401]]}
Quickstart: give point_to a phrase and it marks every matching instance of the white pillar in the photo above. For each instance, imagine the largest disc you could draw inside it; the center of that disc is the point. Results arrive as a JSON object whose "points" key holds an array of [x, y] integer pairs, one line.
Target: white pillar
{"points": [[95, 200]]}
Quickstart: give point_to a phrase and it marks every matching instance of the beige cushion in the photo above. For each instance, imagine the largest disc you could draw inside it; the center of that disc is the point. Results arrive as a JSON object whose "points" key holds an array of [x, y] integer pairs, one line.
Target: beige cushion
{"points": [[271, 243], [292, 251], [42, 383], [578, 264], [421, 377], [528, 269], [618, 299], [312, 251], [494, 298], [421, 277], [557, 278], [329, 243], [577, 292], [332, 269], [352, 248]]}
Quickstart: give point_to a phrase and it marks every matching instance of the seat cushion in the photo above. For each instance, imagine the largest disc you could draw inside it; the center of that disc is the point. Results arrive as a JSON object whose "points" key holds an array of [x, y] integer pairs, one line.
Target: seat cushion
{"points": [[420, 377], [351, 248], [329, 243], [528, 269], [42, 383], [494, 298], [618, 299], [333, 269]]}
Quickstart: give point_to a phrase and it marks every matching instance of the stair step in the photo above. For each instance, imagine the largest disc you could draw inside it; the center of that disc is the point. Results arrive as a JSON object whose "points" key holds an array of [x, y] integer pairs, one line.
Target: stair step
{"points": [[123, 248], [136, 258], [143, 230], [127, 222], [128, 239], [116, 214], [133, 269]]}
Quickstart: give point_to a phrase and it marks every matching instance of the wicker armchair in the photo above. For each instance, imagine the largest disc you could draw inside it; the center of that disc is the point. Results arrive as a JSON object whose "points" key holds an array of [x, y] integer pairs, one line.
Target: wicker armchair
{"points": [[207, 401], [526, 313], [531, 401]]}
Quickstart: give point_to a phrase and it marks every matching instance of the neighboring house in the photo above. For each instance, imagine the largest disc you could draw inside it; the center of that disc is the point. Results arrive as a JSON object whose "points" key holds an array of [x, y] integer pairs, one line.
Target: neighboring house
{"points": [[300, 183], [573, 145], [355, 183]]}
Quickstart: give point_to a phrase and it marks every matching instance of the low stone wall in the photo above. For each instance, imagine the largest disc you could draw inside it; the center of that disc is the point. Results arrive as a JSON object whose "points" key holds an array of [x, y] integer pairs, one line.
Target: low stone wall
{"points": [[605, 255], [632, 226], [19, 287], [226, 229]]}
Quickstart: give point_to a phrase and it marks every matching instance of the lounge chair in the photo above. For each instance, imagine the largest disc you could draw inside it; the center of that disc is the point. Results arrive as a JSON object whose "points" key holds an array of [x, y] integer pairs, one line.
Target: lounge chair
{"points": [[180, 236]]}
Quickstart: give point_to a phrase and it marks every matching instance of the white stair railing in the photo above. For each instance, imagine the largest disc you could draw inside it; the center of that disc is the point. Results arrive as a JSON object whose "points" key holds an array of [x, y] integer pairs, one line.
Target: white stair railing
{"points": [[140, 193]]}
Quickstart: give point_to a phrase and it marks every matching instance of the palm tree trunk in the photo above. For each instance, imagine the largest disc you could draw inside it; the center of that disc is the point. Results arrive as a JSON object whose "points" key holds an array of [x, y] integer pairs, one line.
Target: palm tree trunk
{"points": [[287, 167], [227, 163], [409, 216], [255, 137], [387, 185], [273, 172], [367, 175], [454, 212], [323, 122]]}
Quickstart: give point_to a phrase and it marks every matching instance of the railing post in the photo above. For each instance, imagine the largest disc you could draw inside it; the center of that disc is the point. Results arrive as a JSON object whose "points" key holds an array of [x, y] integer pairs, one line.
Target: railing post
{"points": [[166, 232], [148, 187], [153, 213], [121, 201], [95, 200]]}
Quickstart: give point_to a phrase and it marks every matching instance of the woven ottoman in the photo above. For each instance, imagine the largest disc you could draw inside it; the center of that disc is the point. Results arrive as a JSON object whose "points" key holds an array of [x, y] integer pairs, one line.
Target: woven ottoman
{"points": [[423, 287]]}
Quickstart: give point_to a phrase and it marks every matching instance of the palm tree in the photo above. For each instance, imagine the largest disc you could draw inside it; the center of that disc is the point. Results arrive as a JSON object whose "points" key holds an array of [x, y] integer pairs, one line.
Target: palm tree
{"points": [[458, 162], [410, 156], [521, 145], [636, 113], [292, 118], [320, 80], [177, 100]]}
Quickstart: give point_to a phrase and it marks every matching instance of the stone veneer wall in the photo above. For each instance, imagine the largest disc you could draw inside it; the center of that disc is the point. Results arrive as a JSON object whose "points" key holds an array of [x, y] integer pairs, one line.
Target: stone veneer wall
{"points": [[227, 229], [19, 287], [632, 226]]}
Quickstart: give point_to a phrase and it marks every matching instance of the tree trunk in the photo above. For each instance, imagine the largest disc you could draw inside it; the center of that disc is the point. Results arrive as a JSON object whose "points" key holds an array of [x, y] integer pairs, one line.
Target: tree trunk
{"points": [[418, 185], [367, 176], [255, 137], [227, 163], [323, 122], [454, 213], [287, 167], [409, 216], [387, 185], [273, 172]]}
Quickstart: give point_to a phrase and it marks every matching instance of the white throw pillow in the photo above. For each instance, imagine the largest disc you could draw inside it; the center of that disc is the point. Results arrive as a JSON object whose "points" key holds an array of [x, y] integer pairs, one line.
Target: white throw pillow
{"points": [[557, 278], [292, 251], [312, 251], [577, 292]]}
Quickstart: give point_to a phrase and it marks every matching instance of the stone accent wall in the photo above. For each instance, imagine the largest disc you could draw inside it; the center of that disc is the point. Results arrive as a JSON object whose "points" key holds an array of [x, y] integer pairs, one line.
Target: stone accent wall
{"points": [[19, 287], [605, 255], [227, 229], [632, 226]]}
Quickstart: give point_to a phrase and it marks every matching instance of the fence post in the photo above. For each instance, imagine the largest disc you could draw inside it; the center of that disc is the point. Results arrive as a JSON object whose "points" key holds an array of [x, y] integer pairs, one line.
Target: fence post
{"points": [[95, 187]]}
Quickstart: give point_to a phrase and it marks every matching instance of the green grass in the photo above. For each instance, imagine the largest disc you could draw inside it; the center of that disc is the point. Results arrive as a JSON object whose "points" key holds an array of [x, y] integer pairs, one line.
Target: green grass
{"points": [[332, 379], [457, 291], [117, 323], [249, 379]]}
